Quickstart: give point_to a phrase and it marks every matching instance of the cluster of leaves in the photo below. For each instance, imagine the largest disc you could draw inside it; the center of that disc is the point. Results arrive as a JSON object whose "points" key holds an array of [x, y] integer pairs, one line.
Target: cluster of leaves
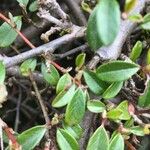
{"points": [[105, 82]]}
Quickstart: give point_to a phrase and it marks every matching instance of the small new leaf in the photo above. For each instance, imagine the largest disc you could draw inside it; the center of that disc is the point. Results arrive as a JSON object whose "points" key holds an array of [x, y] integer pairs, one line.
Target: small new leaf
{"points": [[80, 60], [2, 72], [63, 83], [136, 51], [27, 66], [51, 76]]}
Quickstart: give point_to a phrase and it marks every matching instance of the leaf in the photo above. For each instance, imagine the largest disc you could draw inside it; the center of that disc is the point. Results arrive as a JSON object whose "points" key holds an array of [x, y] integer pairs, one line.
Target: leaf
{"points": [[80, 60], [146, 18], [136, 18], [3, 94], [96, 85], [76, 130], [27, 65], [117, 143], [112, 90], [99, 140], [75, 108], [66, 141], [123, 106], [31, 137], [95, 106], [52, 76], [86, 7], [33, 6], [23, 2], [130, 4], [146, 26], [148, 57], [136, 51], [144, 100], [115, 71], [7, 33], [64, 97], [103, 24], [63, 83], [137, 130], [2, 72], [114, 114]]}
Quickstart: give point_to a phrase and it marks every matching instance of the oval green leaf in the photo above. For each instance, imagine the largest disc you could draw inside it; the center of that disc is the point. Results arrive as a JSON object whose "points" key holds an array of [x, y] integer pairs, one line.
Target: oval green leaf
{"points": [[27, 66], [52, 76], [99, 140], [136, 51], [76, 108], [80, 60], [31, 137], [112, 90], [103, 24], [64, 97], [144, 99], [115, 71], [63, 83], [76, 130], [7, 33], [117, 143], [2, 72], [95, 106], [96, 85], [66, 141]]}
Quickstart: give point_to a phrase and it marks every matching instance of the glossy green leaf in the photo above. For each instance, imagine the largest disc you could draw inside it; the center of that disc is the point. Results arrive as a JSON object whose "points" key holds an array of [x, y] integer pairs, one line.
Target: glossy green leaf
{"points": [[117, 143], [115, 71], [51, 76], [33, 6], [66, 141], [144, 99], [23, 2], [146, 26], [112, 90], [148, 57], [136, 18], [2, 72], [99, 140], [146, 18], [114, 114], [64, 97], [31, 137], [96, 85], [95, 106], [80, 60], [137, 130], [76, 130], [123, 106], [136, 51], [7, 33], [103, 24], [130, 4], [76, 108], [27, 66], [63, 83]]}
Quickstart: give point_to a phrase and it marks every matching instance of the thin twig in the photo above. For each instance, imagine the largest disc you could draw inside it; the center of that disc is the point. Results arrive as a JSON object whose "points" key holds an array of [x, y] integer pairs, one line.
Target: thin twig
{"points": [[38, 95]]}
